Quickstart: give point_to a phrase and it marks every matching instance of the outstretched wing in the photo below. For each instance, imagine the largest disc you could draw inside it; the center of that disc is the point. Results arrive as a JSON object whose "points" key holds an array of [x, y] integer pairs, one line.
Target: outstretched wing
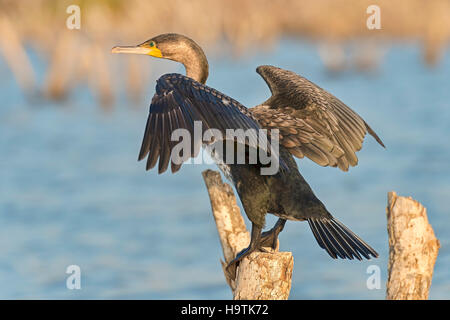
{"points": [[177, 103], [312, 122]]}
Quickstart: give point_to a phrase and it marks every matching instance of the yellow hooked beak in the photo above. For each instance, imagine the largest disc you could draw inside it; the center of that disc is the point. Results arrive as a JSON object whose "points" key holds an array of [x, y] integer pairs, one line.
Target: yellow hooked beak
{"points": [[141, 49]]}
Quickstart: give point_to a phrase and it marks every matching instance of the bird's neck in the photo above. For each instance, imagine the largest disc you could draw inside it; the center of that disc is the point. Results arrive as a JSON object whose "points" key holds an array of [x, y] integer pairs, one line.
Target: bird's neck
{"points": [[196, 64], [196, 72]]}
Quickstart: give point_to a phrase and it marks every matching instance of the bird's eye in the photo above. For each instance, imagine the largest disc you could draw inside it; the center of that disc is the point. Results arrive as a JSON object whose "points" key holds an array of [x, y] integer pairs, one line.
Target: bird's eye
{"points": [[152, 44]]}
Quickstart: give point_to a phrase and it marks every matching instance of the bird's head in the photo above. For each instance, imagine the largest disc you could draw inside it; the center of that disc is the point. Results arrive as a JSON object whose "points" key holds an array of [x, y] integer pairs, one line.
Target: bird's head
{"points": [[174, 47]]}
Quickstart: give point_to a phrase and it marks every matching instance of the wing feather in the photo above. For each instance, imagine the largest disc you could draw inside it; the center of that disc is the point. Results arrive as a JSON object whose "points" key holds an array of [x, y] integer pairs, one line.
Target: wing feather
{"points": [[179, 101], [312, 122], [154, 146]]}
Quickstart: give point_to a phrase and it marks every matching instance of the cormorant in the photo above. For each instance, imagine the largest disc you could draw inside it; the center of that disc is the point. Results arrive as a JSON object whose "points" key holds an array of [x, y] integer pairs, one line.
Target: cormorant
{"points": [[311, 122]]}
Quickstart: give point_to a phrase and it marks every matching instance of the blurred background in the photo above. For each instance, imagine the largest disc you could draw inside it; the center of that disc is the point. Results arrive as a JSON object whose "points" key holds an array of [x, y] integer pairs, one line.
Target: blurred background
{"points": [[72, 117]]}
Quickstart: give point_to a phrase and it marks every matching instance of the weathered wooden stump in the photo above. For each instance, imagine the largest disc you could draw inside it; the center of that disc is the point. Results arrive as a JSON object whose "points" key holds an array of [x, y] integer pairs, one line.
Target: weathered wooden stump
{"points": [[261, 275], [413, 249]]}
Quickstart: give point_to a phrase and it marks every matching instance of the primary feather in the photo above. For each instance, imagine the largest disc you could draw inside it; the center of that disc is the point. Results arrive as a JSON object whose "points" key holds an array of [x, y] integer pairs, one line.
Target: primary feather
{"points": [[312, 121]]}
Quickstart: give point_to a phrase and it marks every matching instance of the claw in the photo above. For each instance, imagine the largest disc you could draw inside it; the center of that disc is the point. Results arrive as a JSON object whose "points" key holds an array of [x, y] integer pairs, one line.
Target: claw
{"points": [[232, 266], [257, 242], [254, 244], [270, 238]]}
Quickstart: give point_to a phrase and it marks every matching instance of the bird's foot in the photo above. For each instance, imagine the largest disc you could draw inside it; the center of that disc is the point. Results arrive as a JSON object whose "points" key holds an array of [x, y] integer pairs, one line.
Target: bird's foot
{"points": [[232, 266], [257, 242], [270, 238]]}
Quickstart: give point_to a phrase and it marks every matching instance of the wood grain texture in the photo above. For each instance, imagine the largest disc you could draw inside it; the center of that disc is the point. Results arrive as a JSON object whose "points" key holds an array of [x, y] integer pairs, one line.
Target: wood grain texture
{"points": [[312, 122], [413, 249], [261, 275]]}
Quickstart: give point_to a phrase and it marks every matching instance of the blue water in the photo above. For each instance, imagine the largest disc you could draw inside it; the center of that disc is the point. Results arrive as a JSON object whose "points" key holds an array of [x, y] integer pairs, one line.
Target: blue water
{"points": [[72, 191]]}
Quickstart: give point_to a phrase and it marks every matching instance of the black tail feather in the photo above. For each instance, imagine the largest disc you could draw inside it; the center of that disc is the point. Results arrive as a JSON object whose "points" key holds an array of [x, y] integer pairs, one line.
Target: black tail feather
{"points": [[338, 240]]}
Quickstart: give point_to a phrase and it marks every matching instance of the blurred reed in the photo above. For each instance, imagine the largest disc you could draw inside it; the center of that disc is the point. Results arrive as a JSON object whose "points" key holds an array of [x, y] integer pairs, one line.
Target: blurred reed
{"points": [[83, 56]]}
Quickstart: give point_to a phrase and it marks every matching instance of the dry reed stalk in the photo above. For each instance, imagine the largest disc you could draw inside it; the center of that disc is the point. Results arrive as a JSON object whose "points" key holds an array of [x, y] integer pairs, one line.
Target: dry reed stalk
{"points": [[101, 79], [62, 66], [14, 53], [241, 23]]}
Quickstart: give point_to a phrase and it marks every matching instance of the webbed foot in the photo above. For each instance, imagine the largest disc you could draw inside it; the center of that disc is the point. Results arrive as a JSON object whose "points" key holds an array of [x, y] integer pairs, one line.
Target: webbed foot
{"points": [[254, 245], [269, 238]]}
